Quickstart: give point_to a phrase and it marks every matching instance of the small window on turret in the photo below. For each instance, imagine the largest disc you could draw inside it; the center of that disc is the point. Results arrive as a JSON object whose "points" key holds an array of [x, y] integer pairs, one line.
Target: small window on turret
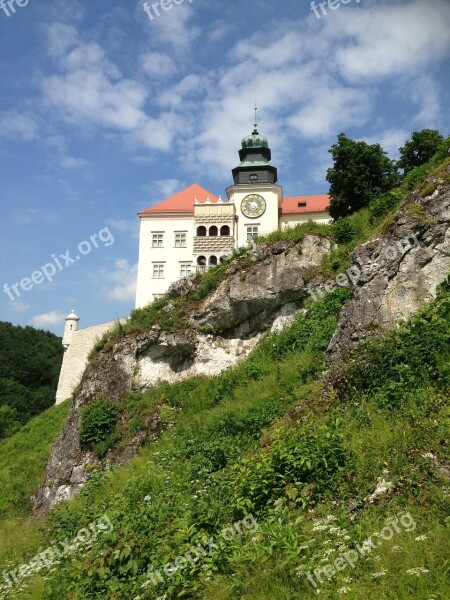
{"points": [[302, 204], [253, 177]]}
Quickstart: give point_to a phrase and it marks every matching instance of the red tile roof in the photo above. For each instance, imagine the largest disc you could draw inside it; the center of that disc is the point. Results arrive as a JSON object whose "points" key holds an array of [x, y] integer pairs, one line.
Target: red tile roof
{"points": [[182, 202], [292, 204]]}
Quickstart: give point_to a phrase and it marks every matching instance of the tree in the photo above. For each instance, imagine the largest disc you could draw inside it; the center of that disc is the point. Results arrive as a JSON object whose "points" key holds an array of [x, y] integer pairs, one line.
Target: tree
{"points": [[360, 172], [30, 361], [419, 149]]}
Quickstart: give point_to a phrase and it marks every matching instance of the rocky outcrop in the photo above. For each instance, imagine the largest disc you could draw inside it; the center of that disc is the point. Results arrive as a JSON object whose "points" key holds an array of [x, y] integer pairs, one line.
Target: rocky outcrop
{"points": [[252, 300], [394, 275]]}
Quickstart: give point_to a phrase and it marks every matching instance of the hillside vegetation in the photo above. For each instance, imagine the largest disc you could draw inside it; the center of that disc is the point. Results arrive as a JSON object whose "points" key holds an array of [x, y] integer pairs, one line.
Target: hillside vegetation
{"points": [[30, 360], [269, 481]]}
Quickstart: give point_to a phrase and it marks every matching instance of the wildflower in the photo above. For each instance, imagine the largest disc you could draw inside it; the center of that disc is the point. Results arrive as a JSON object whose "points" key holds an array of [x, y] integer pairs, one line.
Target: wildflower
{"points": [[396, 549], [343, 590], [417, 571], [331, 518], [377, 558], [421, 538], [347, 580], [379, 574]]}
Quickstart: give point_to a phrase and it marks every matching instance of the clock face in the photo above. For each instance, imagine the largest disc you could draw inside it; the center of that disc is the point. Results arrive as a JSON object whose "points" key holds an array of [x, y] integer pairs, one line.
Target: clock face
{"points": [[253, 206]]}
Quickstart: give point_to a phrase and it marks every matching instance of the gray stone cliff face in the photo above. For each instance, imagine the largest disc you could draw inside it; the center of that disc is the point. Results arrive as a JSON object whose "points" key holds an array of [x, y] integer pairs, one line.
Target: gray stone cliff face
{"points": [[397, 273]]}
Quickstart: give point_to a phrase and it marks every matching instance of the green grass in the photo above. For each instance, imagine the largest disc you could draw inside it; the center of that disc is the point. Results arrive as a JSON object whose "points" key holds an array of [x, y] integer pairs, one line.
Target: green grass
{"points": [[266, 437], [23, 458]]}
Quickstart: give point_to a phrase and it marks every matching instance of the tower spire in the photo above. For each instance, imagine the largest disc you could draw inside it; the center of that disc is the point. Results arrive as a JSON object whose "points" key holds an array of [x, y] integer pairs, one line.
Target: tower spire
{"points": [[255, 131]]}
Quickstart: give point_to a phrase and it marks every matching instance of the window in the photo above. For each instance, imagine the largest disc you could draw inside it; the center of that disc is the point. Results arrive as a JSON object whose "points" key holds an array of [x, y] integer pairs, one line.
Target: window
{"points": [[225, 230], [213, 260], [213, 231], [186, 270], [253, 177], [158, 270], [302, 204], [157, 240], [252, 233], [180, 240], [201, 231]]}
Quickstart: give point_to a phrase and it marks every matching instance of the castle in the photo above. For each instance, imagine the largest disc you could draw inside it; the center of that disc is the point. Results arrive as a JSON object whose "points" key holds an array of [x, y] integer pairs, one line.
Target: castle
{"points": [[194, 230]]}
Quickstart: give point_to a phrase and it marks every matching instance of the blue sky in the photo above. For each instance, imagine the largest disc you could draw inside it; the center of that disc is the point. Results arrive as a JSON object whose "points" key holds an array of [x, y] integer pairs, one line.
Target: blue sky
{"points": [[105, 111]]}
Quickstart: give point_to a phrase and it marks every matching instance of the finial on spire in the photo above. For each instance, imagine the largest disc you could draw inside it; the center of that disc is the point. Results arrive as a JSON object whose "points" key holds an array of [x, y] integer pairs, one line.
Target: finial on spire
{"points": [[255, 131]]}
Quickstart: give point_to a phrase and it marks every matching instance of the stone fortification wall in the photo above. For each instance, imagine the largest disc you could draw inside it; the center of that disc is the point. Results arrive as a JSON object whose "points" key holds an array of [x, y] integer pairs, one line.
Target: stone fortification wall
{"points": [[75, 358]]}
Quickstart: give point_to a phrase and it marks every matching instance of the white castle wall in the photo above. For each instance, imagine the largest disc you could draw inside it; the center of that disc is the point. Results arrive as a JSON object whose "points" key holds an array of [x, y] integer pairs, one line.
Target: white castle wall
{"points": [[75, 358]]}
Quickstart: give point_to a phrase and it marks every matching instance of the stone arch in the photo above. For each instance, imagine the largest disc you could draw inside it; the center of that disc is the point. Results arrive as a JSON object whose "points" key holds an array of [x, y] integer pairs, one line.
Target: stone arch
{"points": [[213, 231], [201, 231], [225, 230]]}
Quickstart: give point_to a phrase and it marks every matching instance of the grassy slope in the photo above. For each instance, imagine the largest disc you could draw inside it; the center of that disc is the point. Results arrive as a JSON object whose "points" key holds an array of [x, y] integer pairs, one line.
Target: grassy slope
{"points": [[230, 447], [262, 437]]}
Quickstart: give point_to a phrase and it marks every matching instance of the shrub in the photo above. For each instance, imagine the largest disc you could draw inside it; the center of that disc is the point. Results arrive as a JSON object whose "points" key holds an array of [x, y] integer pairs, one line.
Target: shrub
{"points": [[383, 204], [307, 456], [97, 422], [343, 231]]}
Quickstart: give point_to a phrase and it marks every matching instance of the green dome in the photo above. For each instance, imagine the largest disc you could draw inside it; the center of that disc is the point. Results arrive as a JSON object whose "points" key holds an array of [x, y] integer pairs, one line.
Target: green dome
{"points": [[256, 140]]}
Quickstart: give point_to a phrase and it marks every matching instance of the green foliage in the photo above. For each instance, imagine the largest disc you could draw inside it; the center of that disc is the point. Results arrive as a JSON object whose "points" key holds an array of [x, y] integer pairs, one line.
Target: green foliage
{"points": [[30, 361], [415, 177], [417, 151], [23, 457], [344, 231], [309, 456], [383, 204], [360, 172], [97, 422], [398, 359], [9, 421]]}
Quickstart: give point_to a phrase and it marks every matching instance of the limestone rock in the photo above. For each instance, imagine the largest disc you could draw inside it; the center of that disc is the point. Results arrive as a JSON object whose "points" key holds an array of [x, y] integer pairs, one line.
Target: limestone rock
{"points": [[396, 277]]}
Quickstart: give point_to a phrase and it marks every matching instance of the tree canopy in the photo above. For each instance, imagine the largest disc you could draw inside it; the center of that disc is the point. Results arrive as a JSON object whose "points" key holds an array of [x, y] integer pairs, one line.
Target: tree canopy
{"points": [[360, 171], [30, 361], [419, 149]]}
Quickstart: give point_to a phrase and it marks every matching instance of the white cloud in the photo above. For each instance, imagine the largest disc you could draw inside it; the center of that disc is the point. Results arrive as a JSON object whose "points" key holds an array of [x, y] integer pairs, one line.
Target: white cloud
{"points": [[19, 306], [173, 28], [48, 319], [121, 282], [128, 227], [18, 126], [70, 162], [390, 140], [390, 39], [158, 65]]}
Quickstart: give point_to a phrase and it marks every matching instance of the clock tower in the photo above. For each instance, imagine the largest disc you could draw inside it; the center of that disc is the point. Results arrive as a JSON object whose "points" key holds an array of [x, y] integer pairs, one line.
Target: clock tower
{"points": [[255, 193]]}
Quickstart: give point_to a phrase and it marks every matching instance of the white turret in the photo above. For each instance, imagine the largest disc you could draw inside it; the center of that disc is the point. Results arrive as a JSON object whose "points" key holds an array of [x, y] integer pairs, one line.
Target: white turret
{"points": [[69, 328]]}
